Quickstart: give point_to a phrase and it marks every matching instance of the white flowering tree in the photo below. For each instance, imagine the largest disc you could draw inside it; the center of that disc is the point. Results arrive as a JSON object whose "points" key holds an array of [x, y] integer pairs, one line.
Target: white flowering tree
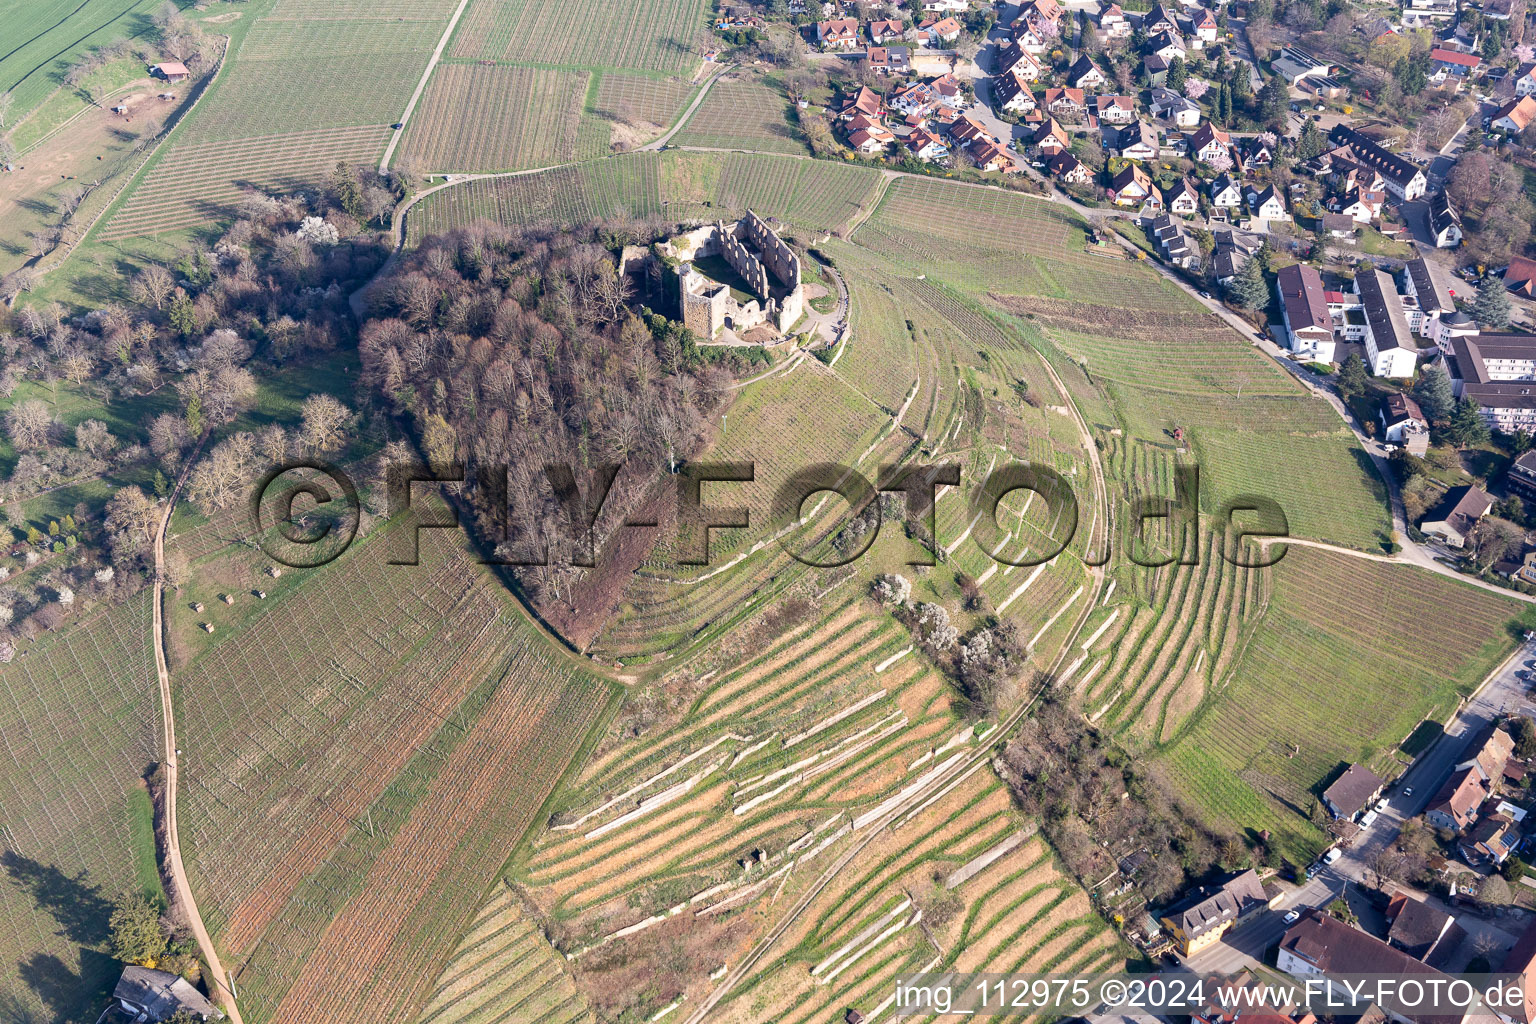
{"points": [[319, 231]]}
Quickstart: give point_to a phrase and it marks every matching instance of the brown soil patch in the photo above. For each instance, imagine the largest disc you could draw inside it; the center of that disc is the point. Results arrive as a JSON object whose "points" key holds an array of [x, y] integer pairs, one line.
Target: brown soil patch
{"points": [[632, 136], [221, 19]]}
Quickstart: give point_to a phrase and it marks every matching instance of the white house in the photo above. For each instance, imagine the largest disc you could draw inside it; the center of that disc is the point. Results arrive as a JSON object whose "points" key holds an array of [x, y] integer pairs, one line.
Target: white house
{"points": [[1210, 143], [1011, 93], [1389, 345], [1170, 106], [1308, 324], [1268, 204], [1403, 423], [1226, 194]]}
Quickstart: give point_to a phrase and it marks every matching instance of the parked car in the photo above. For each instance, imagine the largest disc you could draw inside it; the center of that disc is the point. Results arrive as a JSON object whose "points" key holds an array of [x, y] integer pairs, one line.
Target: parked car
{"points": [[1292, 916], [1332, 855], [1407, 791]]}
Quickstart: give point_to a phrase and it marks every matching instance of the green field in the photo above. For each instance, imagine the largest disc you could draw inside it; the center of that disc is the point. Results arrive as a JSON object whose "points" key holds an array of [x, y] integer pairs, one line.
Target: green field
{"points": [[665, 35], [44, 37], [1319, 687], [82, 726]]}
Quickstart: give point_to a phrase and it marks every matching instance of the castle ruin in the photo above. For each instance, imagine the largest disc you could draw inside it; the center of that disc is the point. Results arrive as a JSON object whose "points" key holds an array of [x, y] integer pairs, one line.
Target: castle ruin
{"points": [[769, 268]]}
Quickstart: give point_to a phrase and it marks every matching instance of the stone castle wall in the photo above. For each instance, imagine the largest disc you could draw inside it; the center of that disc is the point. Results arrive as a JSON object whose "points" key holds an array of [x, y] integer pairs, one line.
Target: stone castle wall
{"points": [[744, 263], [779, 257]]}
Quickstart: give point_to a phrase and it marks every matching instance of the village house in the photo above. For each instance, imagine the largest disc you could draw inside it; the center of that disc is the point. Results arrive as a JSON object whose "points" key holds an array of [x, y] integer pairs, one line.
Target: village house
{"points": [[1520, 276], [1268, 204], [1452, 67], [1209, 144], [1034, 36], [946, 6], [1174, 242], [1167, 45], [1356, 789], [1389, 347], [1444, 222], [1514, 116], [889, 60], [1050, 138], [865, 103], [1232, 253], [933, 33], [914, 99], [1422, 13], [1308, 323], [949, 92], [1136, 141], [884, 31], [1155, 69], [145, 994], [1359, 205], [1159, 19], [1202, 27], [1012, 93], [926, 146], [1069, 169], [1202, 918], [1424, 932], [989, 155], [1403, 423], [1113, 24], [1085, 74], [1525, 80], [1456, 804], [1065, 104], [1014, 59], [1180, 111], [1319, 945], [1115, 109], [1226, 193], [966, 130], [1131, 187], [1182, 198], [837, 34], [1490, 841]]}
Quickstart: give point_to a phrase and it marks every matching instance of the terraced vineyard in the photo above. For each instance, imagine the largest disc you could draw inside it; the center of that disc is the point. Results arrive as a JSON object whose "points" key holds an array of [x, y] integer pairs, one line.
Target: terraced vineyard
{"points": [[504, 971], [1349, 691], [477, 118], [786, 753], [636, 99], [962, 884], [80, 726], [660, 36], [428, 710]]}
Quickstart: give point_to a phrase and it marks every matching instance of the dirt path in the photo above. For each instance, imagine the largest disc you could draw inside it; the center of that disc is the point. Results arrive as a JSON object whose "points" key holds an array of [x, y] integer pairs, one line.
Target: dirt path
{"points": [[661, 143], [218, 979], [421, 86]]}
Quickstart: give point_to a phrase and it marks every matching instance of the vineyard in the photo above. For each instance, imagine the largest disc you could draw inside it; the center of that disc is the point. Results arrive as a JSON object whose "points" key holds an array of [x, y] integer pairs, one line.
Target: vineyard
{"points": [[641, 100], [364, 10], [659, 36], [479, 118], [81, 727], [428, 704], [1317, 686], [792, 741], [739, 114], [505, 972], [197, 182], [963, 884]]}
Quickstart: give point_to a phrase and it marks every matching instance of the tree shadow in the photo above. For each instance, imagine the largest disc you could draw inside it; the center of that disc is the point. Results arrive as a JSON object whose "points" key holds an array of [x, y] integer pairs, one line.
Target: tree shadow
{"points": [[16, 1010], [80, 909], [61, 990]]}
